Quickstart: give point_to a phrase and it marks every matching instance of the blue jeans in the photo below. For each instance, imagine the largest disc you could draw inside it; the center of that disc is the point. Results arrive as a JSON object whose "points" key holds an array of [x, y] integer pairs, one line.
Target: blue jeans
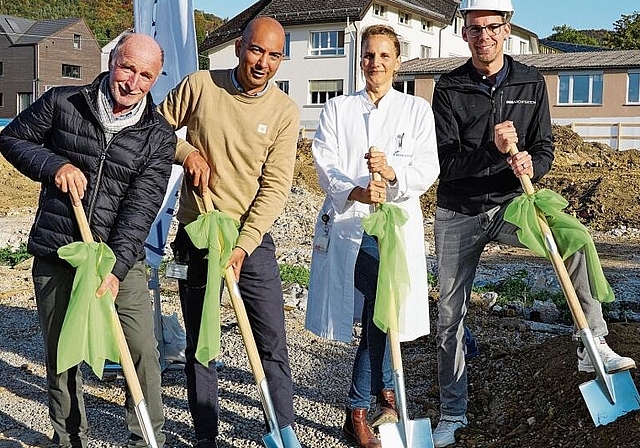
{"points": [[372, 365], [460, 240], [261, 290]]}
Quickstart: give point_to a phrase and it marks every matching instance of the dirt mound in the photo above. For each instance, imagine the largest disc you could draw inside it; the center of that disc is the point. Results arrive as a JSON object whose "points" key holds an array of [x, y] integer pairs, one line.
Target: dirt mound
{"points": [[602, 185], [18, 192]]}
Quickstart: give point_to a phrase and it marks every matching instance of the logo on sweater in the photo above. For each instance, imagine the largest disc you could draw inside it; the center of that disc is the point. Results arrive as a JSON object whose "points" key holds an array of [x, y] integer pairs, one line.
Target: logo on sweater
{"points": [[520, 102], [262, 128]]}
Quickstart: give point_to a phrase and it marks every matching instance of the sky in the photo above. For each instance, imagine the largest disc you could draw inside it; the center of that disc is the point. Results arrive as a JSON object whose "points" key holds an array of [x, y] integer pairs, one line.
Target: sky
{"points": [[539, 16]]}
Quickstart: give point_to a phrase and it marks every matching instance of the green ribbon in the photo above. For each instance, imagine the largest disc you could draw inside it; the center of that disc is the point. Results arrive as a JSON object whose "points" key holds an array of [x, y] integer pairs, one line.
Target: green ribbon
{"points": [[393, 273], [88, 333], [218, 233], [569, 234]]}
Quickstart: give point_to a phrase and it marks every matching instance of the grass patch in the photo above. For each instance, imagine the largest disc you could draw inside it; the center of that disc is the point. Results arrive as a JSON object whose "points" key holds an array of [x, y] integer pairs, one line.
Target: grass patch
{"points": [[294, 274], [11, 256]]}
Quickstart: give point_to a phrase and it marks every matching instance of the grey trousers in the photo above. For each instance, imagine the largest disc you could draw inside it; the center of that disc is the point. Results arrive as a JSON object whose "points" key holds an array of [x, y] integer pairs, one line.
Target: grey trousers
{"points": [[460, 240], [53, 282]]}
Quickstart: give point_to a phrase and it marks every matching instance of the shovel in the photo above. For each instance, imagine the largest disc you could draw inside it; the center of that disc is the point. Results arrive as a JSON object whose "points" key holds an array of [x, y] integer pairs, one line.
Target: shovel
{"points": [[610, 395], [277, 437], [126, 362], [405, 433]]}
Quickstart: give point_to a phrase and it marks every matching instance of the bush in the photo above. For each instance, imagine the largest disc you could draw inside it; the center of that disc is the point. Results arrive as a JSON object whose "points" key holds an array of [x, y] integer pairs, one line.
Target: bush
{"points": [[12, 256], [294, 274]]}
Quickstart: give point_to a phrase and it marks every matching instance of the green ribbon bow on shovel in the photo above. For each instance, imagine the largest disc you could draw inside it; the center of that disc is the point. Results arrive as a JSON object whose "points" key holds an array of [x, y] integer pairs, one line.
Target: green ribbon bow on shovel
{"points": [[393, 274], [570, 235], [87, 331], [218, 233]]}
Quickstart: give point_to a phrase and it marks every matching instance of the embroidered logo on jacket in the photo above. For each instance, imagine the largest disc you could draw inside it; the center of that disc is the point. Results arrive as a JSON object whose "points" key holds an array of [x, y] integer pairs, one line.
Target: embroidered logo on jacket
{"points": [[520, 101]]}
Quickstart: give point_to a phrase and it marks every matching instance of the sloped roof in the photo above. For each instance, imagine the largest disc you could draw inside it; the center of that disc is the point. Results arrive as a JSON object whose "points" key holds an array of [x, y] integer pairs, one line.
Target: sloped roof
{"points": [[300, 12], [544, 62], [29, 32], [14, 27], [567, 47]]}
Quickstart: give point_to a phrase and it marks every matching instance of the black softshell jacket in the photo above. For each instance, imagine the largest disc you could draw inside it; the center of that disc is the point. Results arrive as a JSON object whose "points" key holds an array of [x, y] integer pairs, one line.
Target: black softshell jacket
{"points": [[474, 175], [127, 178]]}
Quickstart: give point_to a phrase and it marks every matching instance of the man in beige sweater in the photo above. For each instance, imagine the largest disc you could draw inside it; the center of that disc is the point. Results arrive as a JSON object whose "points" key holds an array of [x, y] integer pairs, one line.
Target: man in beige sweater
{"points": [[240, 143]]}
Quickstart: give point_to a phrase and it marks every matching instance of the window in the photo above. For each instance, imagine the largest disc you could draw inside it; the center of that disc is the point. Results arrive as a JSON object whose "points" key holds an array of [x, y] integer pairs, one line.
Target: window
{"points": [[426, 25], [425, 52], [405, 48], [287, 45], [327, 43], [508, 44], [524, 48], [633, 92], [1, 68], [322, 90], [404, 18], [284, 86], [408, 87], [76, 41], [580, 88], [379, 10], [1, 99], [70, 71], [24, 100], [458, 23]]}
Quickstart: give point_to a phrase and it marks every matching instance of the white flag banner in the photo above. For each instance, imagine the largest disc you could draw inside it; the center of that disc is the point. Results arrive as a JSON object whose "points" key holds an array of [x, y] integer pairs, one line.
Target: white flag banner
{"points": [[171, 24]]}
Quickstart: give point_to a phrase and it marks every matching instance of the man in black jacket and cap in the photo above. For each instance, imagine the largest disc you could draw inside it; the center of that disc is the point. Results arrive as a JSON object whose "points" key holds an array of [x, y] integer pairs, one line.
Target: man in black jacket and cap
{"points": [[105, 146]]}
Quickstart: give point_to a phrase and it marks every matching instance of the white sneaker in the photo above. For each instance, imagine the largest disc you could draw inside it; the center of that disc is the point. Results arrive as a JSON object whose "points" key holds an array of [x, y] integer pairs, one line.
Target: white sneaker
{"points": [[611, 360], [445, 433]]}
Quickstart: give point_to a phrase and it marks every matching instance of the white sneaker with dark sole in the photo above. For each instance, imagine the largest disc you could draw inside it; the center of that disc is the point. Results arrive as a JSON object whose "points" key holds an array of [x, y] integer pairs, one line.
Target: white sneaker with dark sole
{"points": [[445, 433], [611, 360]]}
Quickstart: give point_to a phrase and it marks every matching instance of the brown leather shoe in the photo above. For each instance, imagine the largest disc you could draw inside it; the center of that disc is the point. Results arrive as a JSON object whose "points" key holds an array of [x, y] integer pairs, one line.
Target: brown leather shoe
{"points": [[385, 410], [357, 430]]}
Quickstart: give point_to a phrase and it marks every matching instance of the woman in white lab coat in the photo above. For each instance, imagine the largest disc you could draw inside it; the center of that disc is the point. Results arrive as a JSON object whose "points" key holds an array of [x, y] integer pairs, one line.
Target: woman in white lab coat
{"points": [[344, 265]]}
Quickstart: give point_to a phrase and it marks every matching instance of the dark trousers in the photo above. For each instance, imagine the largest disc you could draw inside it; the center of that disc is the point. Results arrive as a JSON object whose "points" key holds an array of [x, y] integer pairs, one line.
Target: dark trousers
{"points": [[53, 282], [261, 290]]}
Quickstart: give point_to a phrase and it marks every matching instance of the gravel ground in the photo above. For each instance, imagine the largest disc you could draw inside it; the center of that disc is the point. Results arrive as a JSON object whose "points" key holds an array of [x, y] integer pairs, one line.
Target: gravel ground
{"points": [[510, 353], [321, 368]]}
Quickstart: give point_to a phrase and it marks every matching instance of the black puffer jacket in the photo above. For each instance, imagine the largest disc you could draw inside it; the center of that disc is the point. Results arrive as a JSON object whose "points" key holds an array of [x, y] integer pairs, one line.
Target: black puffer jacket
{"points": [[474, 175], [127, 178]]}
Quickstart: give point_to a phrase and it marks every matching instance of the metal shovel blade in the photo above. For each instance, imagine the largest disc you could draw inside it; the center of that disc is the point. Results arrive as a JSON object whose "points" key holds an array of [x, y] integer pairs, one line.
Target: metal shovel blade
{"points": [[406, 433], [600, 407], [418, 433], [287, 436]]}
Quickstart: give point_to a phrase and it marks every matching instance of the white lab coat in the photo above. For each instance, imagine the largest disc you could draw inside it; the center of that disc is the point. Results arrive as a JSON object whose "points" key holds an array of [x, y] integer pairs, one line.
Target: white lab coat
{"points": [[403, 127]]}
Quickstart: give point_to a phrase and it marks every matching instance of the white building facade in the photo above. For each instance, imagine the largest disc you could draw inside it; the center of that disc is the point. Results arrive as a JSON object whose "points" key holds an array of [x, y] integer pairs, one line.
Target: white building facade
{"points": [[322, 50]]}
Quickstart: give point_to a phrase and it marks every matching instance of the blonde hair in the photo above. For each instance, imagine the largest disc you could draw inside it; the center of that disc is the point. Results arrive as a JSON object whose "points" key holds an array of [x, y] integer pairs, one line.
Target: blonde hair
{"points": [[382, 30]]}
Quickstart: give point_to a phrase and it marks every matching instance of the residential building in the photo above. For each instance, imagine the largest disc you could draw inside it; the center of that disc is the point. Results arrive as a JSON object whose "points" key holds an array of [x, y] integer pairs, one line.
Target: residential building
{"points": [[323, 39], [37, 55], [596, 93]]}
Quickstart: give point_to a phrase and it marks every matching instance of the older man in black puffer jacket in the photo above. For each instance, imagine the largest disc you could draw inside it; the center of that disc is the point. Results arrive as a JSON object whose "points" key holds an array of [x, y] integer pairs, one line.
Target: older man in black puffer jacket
{"points": [[104, 145]]}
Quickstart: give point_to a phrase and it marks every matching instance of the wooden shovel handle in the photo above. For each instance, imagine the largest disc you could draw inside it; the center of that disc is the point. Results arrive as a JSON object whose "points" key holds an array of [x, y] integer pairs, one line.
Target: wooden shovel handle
{"points": [[240, 310], [126, 362], [244, 326], [394, 338], [556, 260]]}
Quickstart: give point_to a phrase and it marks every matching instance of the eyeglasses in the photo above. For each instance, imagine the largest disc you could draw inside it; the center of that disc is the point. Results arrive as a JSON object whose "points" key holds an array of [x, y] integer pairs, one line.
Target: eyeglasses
{"points": [[492, 29]]}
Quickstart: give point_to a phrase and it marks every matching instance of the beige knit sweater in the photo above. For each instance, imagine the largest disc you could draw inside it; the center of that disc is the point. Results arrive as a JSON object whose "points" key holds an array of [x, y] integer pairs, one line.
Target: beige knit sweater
{"points": [[249, 142]]}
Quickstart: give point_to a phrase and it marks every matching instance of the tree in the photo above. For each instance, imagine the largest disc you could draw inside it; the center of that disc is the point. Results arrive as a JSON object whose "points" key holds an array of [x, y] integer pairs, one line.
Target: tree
{"points": [[626, 33], [565, 33]]}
